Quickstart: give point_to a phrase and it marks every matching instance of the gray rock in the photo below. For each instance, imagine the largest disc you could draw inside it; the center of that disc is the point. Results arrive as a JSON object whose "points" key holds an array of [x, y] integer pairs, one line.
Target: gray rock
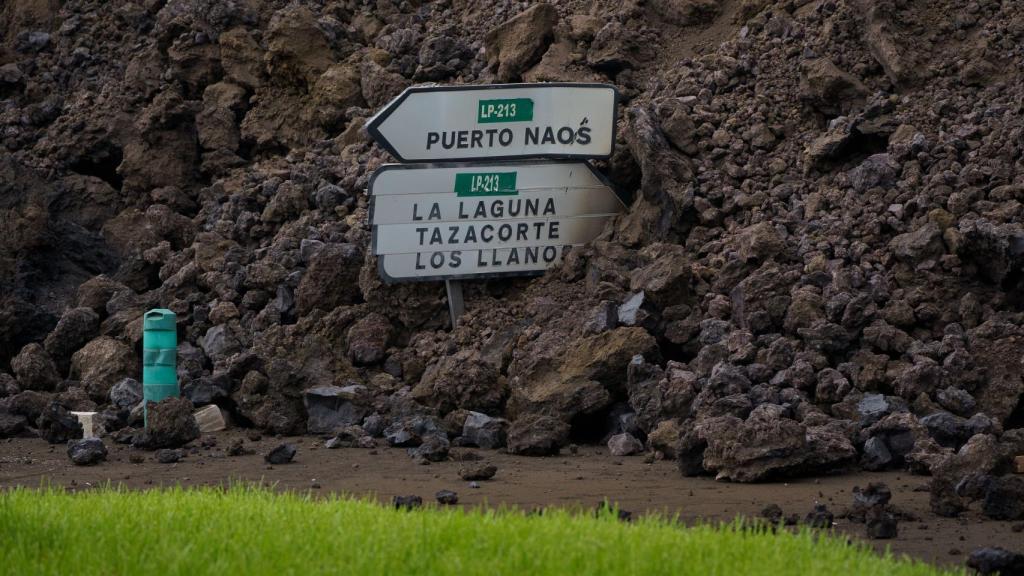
{"points": [[410, 432], [407, 502], [433, 448], [957, 400], [996, 560], [87, 452], [876, 454], [624, 445], [947, 429], [919, 245], [484, 431], [169, 455], [872, 408], [281, 454], [878, 170], [630, 312], [446, 497], [126, 394], [602, 317], [219, 342], [57, 425], [1004, 498], [331, 408]]}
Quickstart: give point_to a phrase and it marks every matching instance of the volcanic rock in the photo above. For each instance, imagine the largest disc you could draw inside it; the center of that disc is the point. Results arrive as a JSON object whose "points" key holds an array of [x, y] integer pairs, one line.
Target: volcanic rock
{"points": [[537, 435], [446, 497], [433, 448], [519, 43], [34, 369], [331, 408], [478, 472], [624, 445], [996, 561], [1004, 498], [126, 394], [281, 454], [407, 502], [57, 425], [484, 431], [87, 452], [169, 455], [170, 424]]}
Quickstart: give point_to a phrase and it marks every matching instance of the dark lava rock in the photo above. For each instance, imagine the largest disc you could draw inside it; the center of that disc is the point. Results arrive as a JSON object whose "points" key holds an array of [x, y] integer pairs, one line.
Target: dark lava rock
{"points": [[876, 495], [171, 425], [331, 408], [169, 455], [947, 429], [126, 394], [407, 502], [410, 432], [484, 431], [478, 472], [820, 517], [447, 497], [237, 448], [996, 560], [87, 452], [1004, 499], [434, 448], [282, 454], [348, 437], [537, 435], [11, 424], [57, 425], [772, 513], [876, 454], [881, 524]]}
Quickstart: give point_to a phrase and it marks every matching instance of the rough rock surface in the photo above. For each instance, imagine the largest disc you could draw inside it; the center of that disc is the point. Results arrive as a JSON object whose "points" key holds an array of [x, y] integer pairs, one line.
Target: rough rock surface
{"points": [[87, 452], [822, 245], [170, 425]]}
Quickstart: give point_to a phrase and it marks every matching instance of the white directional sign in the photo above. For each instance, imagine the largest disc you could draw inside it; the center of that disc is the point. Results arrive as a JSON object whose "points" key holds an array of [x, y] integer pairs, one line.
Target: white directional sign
{"points": [[498, 122], [434, 222]]}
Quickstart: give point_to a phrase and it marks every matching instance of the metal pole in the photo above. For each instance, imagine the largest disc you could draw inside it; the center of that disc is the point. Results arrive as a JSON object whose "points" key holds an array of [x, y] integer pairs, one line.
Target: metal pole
{"points": [[456, 306]]}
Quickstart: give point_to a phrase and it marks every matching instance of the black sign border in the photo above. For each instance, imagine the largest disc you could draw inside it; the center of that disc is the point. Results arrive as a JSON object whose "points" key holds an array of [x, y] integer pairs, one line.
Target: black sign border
{"points": [[384, 113], [388, 279]]}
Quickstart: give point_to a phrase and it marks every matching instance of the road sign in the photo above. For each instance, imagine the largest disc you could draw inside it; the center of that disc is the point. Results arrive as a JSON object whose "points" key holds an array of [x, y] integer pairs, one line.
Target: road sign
{"points": [[498, 122], [446, 221]]}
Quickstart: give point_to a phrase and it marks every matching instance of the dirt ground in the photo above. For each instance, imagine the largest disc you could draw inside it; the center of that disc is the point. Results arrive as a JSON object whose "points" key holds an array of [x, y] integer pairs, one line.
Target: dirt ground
{"points": [[585, 478]]}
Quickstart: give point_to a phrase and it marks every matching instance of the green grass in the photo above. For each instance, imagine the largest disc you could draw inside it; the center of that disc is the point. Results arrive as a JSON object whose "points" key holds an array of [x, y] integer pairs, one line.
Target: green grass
{"points": [[255, 531]]}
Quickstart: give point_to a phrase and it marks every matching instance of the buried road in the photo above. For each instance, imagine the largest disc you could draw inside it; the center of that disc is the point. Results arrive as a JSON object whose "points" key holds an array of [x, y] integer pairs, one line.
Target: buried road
{"points": [[584, 479]]}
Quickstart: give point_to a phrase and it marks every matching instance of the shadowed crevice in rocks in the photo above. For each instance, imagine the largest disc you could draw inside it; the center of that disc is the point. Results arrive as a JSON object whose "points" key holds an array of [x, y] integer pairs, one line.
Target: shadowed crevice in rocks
{"points": [[101, 163]]}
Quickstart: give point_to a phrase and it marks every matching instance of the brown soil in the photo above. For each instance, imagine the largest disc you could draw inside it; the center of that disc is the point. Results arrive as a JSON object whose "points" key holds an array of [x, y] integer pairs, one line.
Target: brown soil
{"points": [[584, 479]]}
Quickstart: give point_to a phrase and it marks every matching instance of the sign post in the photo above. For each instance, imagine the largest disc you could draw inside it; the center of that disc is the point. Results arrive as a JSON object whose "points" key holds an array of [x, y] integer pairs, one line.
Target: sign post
{"points": [[455, 304], [478, 209]]}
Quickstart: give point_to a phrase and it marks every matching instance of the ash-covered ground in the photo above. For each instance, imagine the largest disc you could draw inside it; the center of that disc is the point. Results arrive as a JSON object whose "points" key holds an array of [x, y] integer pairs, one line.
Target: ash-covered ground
{"points": [[820, 269]]}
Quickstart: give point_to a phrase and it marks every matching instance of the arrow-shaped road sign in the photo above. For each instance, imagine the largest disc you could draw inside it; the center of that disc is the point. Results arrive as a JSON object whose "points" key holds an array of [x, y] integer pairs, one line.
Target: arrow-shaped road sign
{"points": [[498, 122], [456, 221]]}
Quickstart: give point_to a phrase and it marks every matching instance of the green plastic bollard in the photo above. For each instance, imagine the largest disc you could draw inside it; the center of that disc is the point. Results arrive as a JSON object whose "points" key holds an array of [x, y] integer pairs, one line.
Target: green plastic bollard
{"points": [[159, 357]]}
